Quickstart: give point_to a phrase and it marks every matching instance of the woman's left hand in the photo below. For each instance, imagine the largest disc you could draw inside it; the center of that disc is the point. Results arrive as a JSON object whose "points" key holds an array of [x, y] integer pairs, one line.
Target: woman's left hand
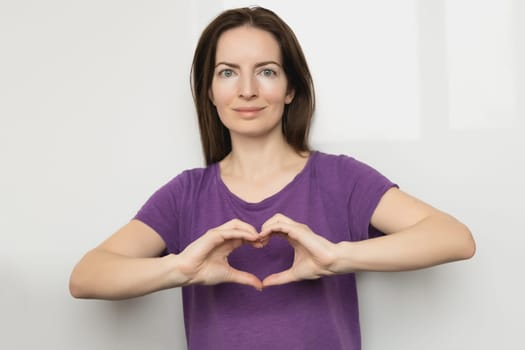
{"points": [[314, 256]]}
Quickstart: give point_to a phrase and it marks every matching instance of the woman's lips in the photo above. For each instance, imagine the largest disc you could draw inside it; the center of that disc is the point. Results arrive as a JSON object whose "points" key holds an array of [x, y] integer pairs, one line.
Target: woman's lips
{"points": [[248, 111]]}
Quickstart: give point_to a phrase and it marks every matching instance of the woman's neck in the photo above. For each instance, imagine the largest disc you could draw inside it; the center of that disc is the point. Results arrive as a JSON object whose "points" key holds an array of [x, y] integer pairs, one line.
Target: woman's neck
{"points": [[257, 158], [254, 171]]}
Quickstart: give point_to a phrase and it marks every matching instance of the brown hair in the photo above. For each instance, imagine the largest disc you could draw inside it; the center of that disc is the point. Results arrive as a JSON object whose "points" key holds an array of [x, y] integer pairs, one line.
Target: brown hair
{"points": [[297, 116]]}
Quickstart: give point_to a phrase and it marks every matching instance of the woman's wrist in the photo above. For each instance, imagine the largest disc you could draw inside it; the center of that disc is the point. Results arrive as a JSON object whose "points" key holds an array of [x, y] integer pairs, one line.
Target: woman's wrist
{"points": [[176, 277], [343, 262]]}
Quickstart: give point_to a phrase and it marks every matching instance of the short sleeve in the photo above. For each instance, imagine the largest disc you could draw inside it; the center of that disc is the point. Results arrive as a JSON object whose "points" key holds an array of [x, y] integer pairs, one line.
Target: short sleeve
{"points": [[367, 187], [160, 212]]}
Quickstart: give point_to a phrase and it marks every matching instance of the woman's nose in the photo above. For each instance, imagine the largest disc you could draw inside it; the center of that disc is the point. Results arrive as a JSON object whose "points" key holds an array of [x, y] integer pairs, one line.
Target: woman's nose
{"points": [[248, 87]]}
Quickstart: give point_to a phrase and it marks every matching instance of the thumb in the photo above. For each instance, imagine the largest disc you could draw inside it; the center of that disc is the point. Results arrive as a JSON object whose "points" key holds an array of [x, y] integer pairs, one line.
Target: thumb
{"points": [[242, 277], [279, 278]]}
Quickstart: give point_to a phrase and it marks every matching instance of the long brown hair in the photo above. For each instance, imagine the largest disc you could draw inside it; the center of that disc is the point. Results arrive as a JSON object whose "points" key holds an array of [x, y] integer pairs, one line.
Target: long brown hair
{"points": [[297, 116]]}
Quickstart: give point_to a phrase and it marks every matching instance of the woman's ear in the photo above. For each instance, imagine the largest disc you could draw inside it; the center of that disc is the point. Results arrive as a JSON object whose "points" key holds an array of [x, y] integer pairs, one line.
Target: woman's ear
{"points": [[289, 96], [210, 96]]}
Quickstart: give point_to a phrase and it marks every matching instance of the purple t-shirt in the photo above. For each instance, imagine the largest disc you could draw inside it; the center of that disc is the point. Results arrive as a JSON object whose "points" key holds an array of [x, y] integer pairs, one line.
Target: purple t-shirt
{"points": [[334, 195]]}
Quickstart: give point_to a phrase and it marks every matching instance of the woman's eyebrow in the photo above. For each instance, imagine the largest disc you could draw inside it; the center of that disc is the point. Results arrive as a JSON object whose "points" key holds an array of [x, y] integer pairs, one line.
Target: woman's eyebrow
{"points": [[234, 65]]}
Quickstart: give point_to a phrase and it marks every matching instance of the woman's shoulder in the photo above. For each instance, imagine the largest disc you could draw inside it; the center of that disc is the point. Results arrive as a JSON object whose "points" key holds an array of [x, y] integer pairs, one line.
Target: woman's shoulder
{"points": [[188, 178], [331, 157], [328, 162], [342, 168]]}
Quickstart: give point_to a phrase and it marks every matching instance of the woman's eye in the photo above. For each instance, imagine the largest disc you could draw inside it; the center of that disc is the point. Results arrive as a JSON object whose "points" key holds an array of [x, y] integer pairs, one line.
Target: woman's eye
{"points": [[267, 72], [226, 73]]}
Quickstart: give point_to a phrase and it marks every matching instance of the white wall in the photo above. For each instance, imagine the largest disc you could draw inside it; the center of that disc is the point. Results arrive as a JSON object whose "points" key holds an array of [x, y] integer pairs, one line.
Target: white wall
{"points": [[96, 113]]}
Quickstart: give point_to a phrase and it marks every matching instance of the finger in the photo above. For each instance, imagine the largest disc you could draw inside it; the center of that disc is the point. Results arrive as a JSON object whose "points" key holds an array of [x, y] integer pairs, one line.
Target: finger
{"points": [[263, 241], [258, 243], [299, 234], [275, 219], [223, 235], [236, 243], [279, 278], [237, 224], [278, 227], [245, 278], [214, 238]]}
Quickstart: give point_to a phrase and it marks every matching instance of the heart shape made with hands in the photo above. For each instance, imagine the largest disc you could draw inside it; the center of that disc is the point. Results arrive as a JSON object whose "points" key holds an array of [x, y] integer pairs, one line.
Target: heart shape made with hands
{"points": [[263, 259], [239, 254]]}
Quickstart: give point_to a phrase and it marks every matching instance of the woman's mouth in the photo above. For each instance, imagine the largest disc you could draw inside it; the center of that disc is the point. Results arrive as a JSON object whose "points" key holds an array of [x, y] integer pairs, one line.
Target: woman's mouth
{"points": [[248, 111]]}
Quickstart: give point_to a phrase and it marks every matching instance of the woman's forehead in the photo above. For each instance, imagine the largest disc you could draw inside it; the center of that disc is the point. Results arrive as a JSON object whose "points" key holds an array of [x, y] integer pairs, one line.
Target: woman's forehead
{"points": [[247, 44]]}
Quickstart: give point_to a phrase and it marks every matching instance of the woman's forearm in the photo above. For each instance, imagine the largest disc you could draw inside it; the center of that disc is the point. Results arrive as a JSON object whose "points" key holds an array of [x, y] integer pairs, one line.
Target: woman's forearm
{"points": [[435, 240], [105, 275]]}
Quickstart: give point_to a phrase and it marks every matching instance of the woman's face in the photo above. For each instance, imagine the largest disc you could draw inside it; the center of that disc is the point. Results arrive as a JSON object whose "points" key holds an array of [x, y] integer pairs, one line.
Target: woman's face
{"points": [[249, 87]]}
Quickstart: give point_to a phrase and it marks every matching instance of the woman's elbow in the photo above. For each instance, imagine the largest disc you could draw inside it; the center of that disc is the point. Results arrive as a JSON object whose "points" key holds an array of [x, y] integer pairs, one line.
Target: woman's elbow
{"points": [[75, 287], [79, 283], [75, 290], [467, 247]]}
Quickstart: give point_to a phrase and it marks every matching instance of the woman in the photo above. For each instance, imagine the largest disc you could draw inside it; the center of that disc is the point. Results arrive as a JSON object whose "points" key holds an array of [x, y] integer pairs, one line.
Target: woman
{"points": [[266, 212]]}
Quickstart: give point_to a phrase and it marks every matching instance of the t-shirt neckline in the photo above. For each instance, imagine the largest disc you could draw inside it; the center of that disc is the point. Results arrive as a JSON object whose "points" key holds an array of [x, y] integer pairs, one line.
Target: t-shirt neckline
{"points": [[268, 200]]}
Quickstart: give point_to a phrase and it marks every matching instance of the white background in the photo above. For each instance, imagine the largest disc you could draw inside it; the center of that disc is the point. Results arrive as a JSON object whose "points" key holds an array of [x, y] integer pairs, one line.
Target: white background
{"points": [[96, 113]]}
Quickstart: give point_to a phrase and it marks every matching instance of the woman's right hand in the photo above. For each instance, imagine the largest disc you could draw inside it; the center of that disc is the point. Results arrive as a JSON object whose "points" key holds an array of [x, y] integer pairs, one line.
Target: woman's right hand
{"points": [[127, 264], [205, 260]]}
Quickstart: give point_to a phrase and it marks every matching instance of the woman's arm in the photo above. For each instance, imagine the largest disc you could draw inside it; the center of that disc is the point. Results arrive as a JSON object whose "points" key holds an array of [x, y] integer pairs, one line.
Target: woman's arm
{"points": [[125, 265], [128, 264], [417, 236]]}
